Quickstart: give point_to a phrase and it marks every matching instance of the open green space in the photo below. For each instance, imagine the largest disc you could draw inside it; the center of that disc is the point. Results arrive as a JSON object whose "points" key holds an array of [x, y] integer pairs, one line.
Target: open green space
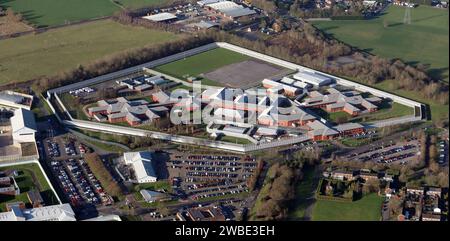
{"points": [[393, 110], [425, 40], [235, 140], [367, 208], [438, 111], [30, 178], [58, 50], [303, 191], [43, 13], [155, 186], [75, 110], [201, 64], [133, 4], [354, 142]]}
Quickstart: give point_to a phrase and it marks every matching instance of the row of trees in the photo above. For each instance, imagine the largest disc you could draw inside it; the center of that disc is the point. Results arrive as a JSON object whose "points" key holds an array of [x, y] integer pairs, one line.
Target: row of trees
{"points": [[122, 60], [307, 9], [281, 191], [11, 16], [307, 46], [99, 170], [304, 45]]}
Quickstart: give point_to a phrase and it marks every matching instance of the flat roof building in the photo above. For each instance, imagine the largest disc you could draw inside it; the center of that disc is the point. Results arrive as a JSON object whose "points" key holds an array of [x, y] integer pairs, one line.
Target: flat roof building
{"points": [[161, 17], [16, 99], [61, 212], [142, 165], [313, 78], [230, 9], [23, 126]]}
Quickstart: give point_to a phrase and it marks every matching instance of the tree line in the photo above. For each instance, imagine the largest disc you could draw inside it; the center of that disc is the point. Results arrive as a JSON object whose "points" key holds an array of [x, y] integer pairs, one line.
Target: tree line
{"points": [[304, 45], [99, 170]]}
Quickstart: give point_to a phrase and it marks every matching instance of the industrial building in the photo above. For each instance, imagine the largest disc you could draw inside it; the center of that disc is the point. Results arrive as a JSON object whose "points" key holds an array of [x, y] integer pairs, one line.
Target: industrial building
{"points": [[15, 100], [61, 212], [313, 78], [229, 9], [141, 163], [161, 17], [23, 126]]}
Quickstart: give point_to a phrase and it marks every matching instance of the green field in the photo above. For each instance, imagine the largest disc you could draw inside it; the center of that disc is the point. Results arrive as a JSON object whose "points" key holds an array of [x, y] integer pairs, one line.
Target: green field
{"points": [[46, 54], [303, 191], [139, 3], [438, 111], [366, 209], [30, 178], [425, 40], [394, 110], [202, 63], [43, 13]]}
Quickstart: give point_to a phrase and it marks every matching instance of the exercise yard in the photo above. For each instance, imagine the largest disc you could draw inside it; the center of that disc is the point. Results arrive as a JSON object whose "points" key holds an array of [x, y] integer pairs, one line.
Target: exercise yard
{"points": [[367, 208], [202, 63], [245, 74]]}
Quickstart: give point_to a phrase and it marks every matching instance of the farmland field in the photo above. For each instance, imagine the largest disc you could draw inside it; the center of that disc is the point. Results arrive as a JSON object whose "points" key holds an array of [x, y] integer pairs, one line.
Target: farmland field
{"points": [[44, 13], [139, 3], [49, 53], [425, 40], [366, 209]]}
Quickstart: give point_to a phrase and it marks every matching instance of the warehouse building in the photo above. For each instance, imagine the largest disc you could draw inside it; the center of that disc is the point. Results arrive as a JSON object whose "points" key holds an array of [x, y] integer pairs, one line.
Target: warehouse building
{"points": [[230, 9], [23, 126], [61, 212], [313, 78], [16, 100], [161, 17], [142, 165]]}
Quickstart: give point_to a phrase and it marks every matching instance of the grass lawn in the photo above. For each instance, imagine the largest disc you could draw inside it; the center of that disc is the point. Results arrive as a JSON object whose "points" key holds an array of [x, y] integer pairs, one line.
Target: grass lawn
{"points": [[394, 110], [425, 40], [366, 209], [235, 140], [336, 115], [202, 63], [46, 54], [438, 111], [75, 110], [30, 178], [43, 13], [354, 142], [133, 4], [303, 191], [155, 186]]}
